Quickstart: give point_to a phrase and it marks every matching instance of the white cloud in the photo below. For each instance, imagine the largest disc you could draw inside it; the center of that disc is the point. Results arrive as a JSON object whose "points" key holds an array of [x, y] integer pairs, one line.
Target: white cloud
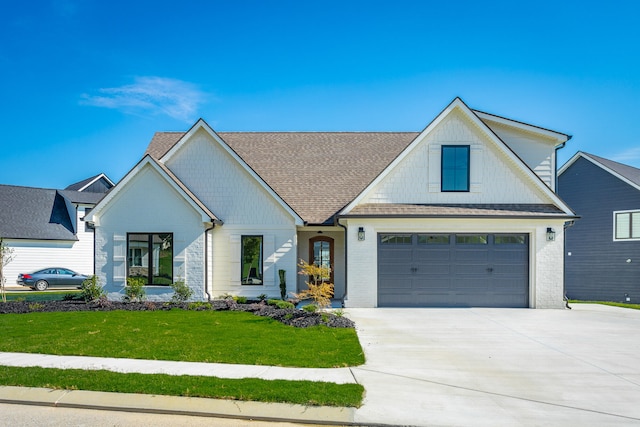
{"points": [[629, 156], [151, 95]]}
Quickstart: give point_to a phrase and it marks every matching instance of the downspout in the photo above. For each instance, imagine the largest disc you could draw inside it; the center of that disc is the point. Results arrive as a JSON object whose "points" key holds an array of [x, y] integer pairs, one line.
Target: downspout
{"points": [[346, 239], [206, 259], [567, 224]]}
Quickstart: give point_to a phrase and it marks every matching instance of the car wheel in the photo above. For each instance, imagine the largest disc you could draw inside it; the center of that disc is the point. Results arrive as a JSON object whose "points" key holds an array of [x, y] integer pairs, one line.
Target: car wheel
{"points": [[41, 285]]}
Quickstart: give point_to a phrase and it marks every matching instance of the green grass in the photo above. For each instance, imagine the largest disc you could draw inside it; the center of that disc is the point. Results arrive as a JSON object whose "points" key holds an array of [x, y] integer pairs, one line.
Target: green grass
{"points": [[40, 296], [298, 392], [196, 336], [614, 304]]}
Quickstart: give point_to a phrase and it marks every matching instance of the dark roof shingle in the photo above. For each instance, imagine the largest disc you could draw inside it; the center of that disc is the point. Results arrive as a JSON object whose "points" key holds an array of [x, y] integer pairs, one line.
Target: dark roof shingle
{"points": [[290, 162], [34, 213]]}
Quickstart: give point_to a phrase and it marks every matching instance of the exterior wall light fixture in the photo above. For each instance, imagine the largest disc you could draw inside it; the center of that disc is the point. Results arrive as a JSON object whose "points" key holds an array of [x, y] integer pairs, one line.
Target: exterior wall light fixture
{"points": [[361, 234], [551, 234]]}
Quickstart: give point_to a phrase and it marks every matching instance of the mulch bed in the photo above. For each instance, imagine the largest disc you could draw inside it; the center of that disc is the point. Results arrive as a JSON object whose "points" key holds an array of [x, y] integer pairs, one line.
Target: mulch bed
{"points": [[288, 316]]}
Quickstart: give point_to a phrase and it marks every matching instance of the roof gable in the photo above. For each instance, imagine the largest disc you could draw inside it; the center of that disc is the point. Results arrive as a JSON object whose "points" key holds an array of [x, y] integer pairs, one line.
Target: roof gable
{"points": [[459, 107], [626, 173], [170, 179], [99, 183]]}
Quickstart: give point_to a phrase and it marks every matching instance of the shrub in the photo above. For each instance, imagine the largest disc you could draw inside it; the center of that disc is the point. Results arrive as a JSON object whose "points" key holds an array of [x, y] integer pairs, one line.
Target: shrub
{"points": [[283, 283], [91, 290], [240, 300], [199, 305], [134, 291], [284, 304], [35, 306], [181, 292], [310, 308], [262, 297]]}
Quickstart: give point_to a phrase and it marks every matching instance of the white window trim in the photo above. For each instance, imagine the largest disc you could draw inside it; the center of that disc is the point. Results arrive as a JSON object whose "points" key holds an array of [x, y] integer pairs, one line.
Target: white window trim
{"points": [[631, 239]]}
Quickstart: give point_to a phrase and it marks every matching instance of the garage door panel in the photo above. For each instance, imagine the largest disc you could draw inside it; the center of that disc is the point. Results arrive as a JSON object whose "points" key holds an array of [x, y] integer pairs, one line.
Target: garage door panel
{"points": [[480, 270]]}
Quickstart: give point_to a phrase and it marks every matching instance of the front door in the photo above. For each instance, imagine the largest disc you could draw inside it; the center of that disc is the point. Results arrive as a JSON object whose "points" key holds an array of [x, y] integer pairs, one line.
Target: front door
{"points": [[321, 252]]}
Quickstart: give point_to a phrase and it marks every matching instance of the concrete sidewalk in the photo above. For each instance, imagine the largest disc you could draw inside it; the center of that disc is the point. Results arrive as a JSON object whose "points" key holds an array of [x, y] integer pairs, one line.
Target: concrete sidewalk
{"points": [[220, 370]]}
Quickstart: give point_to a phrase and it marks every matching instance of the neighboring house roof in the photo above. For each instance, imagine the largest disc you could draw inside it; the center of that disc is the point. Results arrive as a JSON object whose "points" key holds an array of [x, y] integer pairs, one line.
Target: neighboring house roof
{"points": [[627, 173], [34, 213], [82, 197], [89, 184]]}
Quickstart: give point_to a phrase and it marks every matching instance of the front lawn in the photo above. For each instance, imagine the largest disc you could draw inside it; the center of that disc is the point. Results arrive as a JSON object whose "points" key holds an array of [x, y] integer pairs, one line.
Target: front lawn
{"points": [[196, 336], [297, 392], [614, 304]]}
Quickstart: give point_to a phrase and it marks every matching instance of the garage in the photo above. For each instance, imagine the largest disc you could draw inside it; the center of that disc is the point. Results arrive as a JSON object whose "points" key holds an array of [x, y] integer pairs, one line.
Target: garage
{"points": [[453, 270]]}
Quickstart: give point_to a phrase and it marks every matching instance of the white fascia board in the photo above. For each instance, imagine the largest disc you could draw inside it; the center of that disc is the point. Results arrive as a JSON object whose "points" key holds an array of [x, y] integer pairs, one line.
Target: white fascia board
{"points": [[201, 124], [559, 137], [585, 156], [94, 214], [471, 116]]}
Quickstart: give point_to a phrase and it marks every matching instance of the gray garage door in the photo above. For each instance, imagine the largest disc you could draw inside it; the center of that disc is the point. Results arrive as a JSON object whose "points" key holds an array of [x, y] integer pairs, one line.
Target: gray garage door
{"points": [[453, 270]]}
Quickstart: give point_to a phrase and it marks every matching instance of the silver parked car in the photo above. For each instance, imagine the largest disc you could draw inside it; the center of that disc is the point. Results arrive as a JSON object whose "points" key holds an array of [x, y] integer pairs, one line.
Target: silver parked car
{"points": [[53, 277]]}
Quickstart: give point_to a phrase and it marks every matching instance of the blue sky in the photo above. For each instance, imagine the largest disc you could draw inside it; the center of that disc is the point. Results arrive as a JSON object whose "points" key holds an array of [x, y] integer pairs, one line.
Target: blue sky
{"points": [[85, 84]]}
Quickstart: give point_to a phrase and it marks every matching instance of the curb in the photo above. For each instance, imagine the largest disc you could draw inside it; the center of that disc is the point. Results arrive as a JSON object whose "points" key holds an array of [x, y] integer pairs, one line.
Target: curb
{"points": [[177, 405]]}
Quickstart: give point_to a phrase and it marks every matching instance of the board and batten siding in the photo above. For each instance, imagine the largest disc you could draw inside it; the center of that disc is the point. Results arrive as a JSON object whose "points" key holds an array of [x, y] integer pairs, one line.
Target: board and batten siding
{"points": [[31, 255], [493, 179], [597, 268]]}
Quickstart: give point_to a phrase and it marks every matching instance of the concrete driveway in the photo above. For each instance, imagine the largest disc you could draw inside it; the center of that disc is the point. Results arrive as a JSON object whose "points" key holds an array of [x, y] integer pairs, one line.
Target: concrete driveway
{"points": [[500, 367]]}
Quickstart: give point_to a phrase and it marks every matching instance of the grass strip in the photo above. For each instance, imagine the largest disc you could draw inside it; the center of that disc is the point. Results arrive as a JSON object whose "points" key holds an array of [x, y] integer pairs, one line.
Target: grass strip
{"points": [[33, 296], [611, 303], [193, 336], [249, 389]]}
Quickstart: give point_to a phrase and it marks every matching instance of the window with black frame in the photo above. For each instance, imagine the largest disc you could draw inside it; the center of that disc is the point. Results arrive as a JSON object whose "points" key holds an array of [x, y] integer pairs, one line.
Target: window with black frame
{"points": [[150, 257], [455, 168], [251, 260]]}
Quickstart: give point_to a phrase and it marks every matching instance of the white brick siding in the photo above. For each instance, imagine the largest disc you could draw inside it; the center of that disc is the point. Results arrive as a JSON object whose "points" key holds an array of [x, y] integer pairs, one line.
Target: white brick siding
{"points": [[545, 258]]}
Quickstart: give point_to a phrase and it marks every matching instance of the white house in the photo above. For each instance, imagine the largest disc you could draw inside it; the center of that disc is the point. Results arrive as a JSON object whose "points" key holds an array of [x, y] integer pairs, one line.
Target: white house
{"points": [[463, 213], [45, 227]]}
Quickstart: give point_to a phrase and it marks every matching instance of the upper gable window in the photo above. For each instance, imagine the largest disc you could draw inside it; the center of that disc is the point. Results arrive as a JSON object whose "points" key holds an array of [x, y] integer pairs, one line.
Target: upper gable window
{"points": [[455, 168], [626, 225]]}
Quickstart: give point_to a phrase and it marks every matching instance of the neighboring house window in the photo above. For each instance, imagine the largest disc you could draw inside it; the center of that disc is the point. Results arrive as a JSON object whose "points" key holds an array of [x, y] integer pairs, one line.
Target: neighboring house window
{"points": [[150, 256], [455, 168], [626, 225], [251, 260]]}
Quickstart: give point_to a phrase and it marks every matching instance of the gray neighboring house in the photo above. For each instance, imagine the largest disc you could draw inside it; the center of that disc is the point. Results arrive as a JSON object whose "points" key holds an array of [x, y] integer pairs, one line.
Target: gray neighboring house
{"points": [[602, 249], [45, 227]]}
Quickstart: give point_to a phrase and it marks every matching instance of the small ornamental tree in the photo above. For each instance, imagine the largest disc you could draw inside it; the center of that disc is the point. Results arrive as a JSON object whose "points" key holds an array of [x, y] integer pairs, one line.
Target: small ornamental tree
{"points": [[6, 256], [319, 288]]}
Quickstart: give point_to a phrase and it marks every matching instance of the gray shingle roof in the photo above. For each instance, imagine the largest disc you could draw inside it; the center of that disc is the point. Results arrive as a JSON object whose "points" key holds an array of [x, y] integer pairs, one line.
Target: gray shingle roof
{"points": [[316, 173], [456, 210], [99, 183], [34, 213], [629, 172], [82, 197]]}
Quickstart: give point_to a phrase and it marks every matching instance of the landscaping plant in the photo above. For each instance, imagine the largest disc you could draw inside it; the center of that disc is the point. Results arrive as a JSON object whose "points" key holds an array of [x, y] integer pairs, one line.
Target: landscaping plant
{"points": [[319, 288], [91, 290], [181, 292], [6, 256], [134, 291], [283, 283]]}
